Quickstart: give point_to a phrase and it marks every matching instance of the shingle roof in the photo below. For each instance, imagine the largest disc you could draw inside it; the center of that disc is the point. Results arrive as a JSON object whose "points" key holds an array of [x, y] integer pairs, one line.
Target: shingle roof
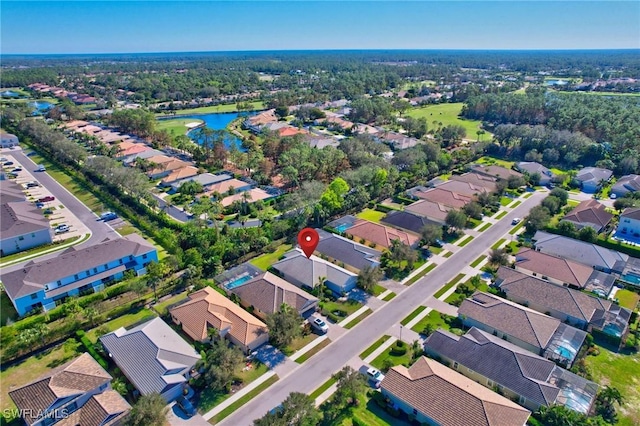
{"points": [[309, 270], [522, 323], [408, 220], [631, 213], [347, 251], [444, 196], [10, 192], [487, 182], [567, 271], [380, 234], [429, 209], [34, 276], [590, 212], [562, 299], [20, 218], [532, 167], [580, 251], [449, 398], [208, 308], [76, 377], [493, 170], [151, 355], [267, 292], [628, 183], [514, 368], [463, 188], [593, 175]]}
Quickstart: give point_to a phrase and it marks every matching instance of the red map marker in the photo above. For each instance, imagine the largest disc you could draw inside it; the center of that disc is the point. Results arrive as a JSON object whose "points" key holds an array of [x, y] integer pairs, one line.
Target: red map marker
{"points": [[308, 239]]}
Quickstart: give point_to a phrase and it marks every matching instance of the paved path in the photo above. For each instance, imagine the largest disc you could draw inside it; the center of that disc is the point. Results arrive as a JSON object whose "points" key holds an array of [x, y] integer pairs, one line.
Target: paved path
{"points": [[308, 376]]}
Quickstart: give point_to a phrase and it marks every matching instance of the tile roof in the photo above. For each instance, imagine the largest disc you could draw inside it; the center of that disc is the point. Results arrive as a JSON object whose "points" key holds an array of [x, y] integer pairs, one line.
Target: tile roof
{"points": [[522, 323], [20, 218], [380, 234], [267, 292], [309, 270], [512, 367], [445, 197], [151, 355], [449, 398], [430, 209], [35, 275], [207, 308], [104, 409], [167, 166], [590, 212], [489, 183], [631, 213], [562, 299], [255, 194], [181, 173], [580, 251], [463, 188], [494, 171], [83, 374], [224, 186], [347, 251], [567, 271]]}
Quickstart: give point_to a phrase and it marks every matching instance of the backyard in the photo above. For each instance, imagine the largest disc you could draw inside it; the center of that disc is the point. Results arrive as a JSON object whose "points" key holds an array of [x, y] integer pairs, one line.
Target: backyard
{"points": [[266, 260], [210, 398], [371, 215]]}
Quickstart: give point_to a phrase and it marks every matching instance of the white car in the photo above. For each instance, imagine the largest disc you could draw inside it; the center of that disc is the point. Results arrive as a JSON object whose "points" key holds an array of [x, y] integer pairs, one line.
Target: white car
{"points": [[375, 377], [61, 229], [319, 325], [516, 221]]}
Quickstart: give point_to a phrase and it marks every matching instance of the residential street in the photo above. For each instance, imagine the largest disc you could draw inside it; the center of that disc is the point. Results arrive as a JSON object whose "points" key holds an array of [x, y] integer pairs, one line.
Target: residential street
{"points": [[99, 230], [316, 371]]}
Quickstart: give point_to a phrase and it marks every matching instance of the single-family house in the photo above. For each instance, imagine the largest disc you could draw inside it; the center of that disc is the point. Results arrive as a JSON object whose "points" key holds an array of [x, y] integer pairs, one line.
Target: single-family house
{"points": [[316, 141], [571, 306], [227, 186], [551, 268], [204, 179], [7, 140], [434, 211], [589, 213], [630, 222], [342, 250], [625, 185], [179, 174], [445, 197], [307, 272], [434, 394], [600, 258], [207, 309], [591, 179], [524, 327], [264, 295], [463, 188], [22, 226], [130, 149], [252, 195], [75, 393], [408, 221], [494, 171], [153, 357], [516, 373], [487, 182], [255, 122], [164, 166], [381, 235], [531, 168], [49, 282]]}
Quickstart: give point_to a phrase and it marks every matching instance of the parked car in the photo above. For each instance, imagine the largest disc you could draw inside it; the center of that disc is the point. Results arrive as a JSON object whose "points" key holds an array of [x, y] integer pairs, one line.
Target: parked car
{"points": [[8, 163], [39, 205], [46, 199], [516, 221], [47, 211], [319, 325], [30, 153], [375, 377], [186, 406], [61, 229], [32, 184], [16, 170], [41, 168], [108, 216]]}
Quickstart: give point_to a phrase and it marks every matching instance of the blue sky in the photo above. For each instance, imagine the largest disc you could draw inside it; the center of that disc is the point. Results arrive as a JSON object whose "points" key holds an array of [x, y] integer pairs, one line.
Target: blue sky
{"points": [[167, 26]]}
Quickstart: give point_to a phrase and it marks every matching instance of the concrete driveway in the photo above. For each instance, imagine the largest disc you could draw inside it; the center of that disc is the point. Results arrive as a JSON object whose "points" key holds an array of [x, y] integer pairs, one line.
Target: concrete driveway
{"points": [[177, 417], [270, 356]]}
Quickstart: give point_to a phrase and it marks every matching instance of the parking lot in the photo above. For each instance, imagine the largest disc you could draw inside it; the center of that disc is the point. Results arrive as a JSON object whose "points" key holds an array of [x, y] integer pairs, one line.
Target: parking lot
{"points": [[57, 214]]}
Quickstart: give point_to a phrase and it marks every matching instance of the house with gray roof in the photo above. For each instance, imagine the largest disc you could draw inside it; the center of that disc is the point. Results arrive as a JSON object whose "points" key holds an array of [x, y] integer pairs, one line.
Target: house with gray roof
{"points": [[204, 179], [494, 171], [589, 213], [625, 185], [76, 270], [531, 330], [516, 373], [592, 178], [22, 226], [630, 223], [11, 192], [531, 168], [408, 221], [153, 357], [345, 251], [487, 182], [306, 272], [435, 394], [568, 305], [75, 393], [553, 268], [593, 255], [264, 295]]}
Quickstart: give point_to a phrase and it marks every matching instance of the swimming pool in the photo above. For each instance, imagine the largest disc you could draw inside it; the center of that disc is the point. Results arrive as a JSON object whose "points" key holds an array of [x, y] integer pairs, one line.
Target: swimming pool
{"points": [[612, 330], [564, 352], [238, 281], [343, 227], [575, 400]]}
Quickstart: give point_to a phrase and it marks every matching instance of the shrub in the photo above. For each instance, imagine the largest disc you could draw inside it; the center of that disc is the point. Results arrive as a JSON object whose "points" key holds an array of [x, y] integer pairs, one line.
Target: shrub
{"points": [[91, 349]]}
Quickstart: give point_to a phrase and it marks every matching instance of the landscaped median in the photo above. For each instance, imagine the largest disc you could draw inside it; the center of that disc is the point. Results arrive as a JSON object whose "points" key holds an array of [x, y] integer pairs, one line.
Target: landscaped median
{"points": [[312, 351], [421, 274], [227, 411], [412, 315], [478, 261], [357, 319], [447, 286], [375, 346]]}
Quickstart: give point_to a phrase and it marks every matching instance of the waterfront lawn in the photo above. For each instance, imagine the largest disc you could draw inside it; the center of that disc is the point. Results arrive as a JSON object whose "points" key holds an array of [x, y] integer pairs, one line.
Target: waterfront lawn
{"points": [[266, 260], [256, 105], [448, 114], [177, 126]]}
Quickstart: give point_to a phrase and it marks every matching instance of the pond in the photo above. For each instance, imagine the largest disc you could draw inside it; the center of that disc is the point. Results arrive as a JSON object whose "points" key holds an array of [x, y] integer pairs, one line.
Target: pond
{"points": [[10, 94], [218, 121], [40, 107]]}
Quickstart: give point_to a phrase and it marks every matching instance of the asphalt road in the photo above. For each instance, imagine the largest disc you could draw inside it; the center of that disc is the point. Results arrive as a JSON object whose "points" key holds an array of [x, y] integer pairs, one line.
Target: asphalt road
{"points": [[317, 370], [99, 230]]}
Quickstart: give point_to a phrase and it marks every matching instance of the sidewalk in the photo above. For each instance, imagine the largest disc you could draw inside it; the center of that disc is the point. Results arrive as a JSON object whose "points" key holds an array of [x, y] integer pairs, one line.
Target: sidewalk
{"points": [[224, 404], [353, 316], [308, 347]]}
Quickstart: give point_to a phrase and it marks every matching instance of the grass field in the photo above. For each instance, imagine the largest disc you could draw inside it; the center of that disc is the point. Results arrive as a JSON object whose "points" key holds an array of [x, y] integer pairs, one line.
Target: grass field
{"points": [[389, 296], [627, 298], [465, 241], [497, 161], [257, 105], [498, 243], [421, 274], [447, 114], [371, 215], [299, 343], [177, 126], [125, 321], [266, 260], [621, 371], [500, 215], [323, 387], [381, 359], [371, 414]]}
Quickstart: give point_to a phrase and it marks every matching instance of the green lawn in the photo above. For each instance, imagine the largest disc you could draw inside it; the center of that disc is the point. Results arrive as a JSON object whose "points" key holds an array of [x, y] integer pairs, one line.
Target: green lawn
{"points": [[622, 372], [484, 227], [496, 161], [602, 93], [257, 105], [375, 346], [371, 215], [371, 414], [299, 343], [448, 285], [447, 114], [515, 228], [505, 201], [241, 401], [498, 243], [381, 360], [378, 290], [501, 215], [627, 298], [177, 126], [210, 398], [433, 318], [359, 318], [266, 260], [125, 321], [317, 348], [448, 254], [478, 260], [389, 296], [516, 204], [323, 387], [412, 315], [163, 307], [465, 241], [348, 307]]}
